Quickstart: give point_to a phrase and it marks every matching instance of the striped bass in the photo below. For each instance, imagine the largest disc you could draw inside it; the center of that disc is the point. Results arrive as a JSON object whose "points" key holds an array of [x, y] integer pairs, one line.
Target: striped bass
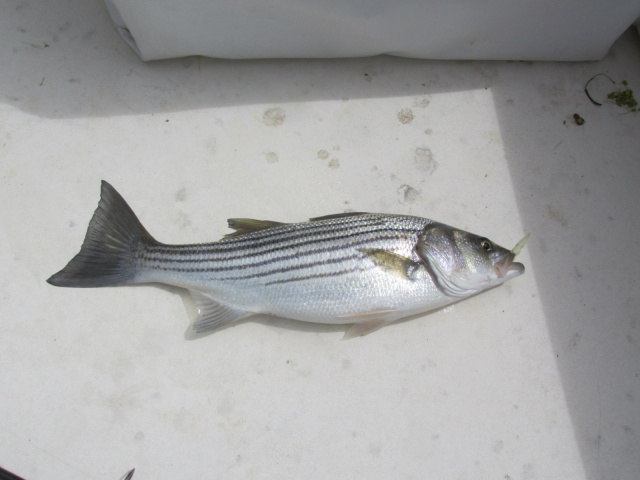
{"points": [[362, 269]]}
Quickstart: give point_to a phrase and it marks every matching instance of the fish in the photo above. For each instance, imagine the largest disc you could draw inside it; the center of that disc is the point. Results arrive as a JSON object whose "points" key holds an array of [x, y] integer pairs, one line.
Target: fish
{"points": [[363, 270]]}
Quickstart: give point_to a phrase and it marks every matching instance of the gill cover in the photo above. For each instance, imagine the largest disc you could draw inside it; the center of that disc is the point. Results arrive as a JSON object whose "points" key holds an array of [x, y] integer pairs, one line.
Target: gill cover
{"points": [[463, 264]]}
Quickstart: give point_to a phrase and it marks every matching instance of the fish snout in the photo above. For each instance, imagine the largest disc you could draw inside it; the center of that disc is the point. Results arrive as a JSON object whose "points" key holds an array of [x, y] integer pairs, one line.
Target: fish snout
{"points": [[505, 266]]}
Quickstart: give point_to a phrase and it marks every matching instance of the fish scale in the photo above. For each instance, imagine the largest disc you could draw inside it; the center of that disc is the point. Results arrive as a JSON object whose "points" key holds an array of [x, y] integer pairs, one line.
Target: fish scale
{"points": [[291, 266], [285, 237], [357, 268], [326, 246]]}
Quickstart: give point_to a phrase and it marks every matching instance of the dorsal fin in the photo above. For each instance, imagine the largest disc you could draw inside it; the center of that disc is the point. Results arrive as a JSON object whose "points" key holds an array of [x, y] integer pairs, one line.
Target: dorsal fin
{"points": [[247, 225], [337, 215]]}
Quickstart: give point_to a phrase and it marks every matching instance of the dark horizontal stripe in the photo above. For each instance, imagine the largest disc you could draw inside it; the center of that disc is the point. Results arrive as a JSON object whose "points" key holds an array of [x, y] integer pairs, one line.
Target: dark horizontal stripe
{"points": [[258, 274], [307, 227], [315, 276], [364, 220], [291, 268], [282, 236], [170, 265], [252, 241], [368, 237]]}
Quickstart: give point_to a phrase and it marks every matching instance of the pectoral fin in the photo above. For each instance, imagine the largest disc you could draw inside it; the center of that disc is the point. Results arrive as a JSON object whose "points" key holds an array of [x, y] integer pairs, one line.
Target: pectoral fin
{"points": [[213, 315], [392, 262]]}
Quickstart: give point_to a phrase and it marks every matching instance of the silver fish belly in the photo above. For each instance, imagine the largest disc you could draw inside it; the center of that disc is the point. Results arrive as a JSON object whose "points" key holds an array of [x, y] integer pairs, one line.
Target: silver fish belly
{"points": [[362, 269]]}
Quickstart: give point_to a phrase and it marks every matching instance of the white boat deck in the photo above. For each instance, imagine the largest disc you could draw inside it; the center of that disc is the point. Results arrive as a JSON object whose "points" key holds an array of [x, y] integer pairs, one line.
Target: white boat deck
{"points": [[537, 379]]}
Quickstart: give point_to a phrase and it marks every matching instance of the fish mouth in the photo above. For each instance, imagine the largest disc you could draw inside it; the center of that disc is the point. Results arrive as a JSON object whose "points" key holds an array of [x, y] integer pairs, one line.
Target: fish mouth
{"points": [[506, 267]]}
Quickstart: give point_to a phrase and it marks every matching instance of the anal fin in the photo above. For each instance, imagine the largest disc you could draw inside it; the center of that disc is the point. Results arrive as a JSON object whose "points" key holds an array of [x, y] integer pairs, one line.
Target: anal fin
{"points": [[213, 315]]}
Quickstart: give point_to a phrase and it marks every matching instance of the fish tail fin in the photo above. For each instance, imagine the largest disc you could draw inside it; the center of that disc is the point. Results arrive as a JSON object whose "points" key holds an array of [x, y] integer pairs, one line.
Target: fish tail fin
{"points": [[110, 249]]}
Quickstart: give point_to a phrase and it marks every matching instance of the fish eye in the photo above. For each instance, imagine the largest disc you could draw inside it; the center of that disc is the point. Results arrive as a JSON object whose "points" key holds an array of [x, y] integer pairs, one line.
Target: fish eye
{"points": [[486, 245]]}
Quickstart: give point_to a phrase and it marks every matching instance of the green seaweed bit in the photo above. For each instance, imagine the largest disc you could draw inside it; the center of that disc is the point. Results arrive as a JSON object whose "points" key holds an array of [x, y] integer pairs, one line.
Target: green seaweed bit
{"points": [[624, 98], [578, 119]]}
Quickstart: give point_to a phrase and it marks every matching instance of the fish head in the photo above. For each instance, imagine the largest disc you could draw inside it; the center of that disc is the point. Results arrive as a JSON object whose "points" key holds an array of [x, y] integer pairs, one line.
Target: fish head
{"points": [[462, 263]]}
